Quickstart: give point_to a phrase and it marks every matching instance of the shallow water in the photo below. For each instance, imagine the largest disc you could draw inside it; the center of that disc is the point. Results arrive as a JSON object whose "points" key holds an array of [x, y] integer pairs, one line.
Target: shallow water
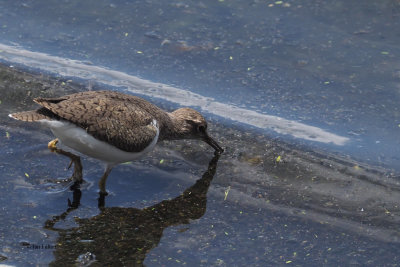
{"points": [[303, 96], [308, 208], [331, 64]]}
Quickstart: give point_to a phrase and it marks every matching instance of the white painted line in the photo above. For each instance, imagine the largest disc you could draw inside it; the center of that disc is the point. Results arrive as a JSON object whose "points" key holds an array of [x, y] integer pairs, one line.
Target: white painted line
{"points": [[75, 68]]}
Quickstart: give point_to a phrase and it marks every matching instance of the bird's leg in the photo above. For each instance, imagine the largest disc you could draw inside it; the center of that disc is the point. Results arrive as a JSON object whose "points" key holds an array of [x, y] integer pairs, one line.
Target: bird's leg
{"points": [[76, 160], [77, 174], [102, 182]]}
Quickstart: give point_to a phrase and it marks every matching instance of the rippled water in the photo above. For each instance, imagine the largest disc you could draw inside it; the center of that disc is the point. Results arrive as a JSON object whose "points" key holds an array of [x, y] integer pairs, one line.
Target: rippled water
{"points": [[326, 64], [177, 206], [303, 96]]}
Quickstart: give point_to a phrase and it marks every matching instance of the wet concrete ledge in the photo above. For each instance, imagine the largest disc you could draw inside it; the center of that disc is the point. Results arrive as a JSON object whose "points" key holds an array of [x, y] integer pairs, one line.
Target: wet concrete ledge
{"points": [[255, 170]]}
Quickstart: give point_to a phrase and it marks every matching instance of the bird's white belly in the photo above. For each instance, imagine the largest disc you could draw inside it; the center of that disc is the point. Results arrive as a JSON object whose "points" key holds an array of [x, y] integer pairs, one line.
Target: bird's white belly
{"points": [[79, 140]]}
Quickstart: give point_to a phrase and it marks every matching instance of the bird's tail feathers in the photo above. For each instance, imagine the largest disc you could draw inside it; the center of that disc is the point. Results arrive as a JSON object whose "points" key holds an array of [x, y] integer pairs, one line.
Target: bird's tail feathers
{"points": [[29, 116]]}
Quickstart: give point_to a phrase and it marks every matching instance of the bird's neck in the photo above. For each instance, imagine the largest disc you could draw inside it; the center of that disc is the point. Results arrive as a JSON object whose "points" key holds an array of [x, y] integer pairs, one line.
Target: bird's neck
{"points": [[173, 129]]}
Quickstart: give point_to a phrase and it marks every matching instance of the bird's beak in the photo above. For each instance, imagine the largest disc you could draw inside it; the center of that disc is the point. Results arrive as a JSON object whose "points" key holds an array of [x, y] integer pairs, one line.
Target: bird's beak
{"points": [[213, 143]]}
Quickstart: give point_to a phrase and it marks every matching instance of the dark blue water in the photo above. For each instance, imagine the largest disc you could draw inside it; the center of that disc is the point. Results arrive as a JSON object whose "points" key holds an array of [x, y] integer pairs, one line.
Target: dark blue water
{"points": [[158, 214], [333, 65], [327, 64]]}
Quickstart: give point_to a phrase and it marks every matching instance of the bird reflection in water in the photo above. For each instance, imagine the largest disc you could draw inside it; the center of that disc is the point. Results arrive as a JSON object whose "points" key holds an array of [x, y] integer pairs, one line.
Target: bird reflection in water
{"points": [[123, 236]]}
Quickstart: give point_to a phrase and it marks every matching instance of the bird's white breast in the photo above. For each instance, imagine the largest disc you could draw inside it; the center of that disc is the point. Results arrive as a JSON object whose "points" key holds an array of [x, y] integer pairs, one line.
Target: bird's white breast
{"points": [[78, 139]]}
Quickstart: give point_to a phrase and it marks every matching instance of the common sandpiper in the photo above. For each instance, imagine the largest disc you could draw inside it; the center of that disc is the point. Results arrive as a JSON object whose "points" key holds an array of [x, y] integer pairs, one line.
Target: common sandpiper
{"points": [[113, 127]]}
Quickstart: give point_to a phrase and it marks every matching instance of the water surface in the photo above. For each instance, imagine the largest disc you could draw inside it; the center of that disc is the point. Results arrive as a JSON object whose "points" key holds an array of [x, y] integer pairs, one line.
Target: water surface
{"points": [[303, 95]]}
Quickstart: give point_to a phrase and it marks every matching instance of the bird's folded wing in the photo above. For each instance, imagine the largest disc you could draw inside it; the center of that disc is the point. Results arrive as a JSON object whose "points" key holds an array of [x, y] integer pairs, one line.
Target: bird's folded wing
{"points": [[133, 138], [120, 123]]}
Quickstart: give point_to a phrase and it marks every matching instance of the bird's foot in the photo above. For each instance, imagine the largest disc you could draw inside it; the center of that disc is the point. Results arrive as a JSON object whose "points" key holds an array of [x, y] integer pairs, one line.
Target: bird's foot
{"points": [[52, 145]]}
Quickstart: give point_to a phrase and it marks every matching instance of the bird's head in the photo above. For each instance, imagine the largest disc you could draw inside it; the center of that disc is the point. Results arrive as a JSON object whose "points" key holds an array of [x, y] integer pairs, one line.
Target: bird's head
{"points": [[193, 126]]}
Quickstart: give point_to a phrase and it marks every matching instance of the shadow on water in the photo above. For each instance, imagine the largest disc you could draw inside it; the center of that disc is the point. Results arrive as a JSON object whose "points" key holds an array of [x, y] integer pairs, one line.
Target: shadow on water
{"points": [[274, 203], [125, 235]]}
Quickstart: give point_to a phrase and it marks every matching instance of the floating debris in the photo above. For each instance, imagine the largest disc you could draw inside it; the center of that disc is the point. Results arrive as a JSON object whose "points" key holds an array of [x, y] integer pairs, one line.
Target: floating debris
{"points": [[227, 192], [86, 259], [254, 160], [165, 41], [153, 35]]}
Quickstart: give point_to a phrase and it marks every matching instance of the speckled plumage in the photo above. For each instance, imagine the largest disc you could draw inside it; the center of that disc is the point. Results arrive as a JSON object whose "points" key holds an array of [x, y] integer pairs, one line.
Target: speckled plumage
{"points": [[114, 127], [118, 119]]}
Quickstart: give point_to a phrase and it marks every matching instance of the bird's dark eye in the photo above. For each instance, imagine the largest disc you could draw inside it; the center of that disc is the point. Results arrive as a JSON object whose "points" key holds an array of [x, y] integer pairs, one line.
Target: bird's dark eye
{"points": [[201, 128]]}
